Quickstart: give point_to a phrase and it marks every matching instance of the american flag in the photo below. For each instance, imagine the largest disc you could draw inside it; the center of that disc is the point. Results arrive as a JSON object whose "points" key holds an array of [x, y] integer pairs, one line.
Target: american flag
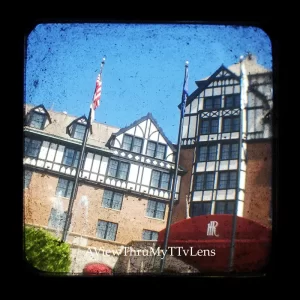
{"points": [[184, 92], [96, 98], [97, 94]]}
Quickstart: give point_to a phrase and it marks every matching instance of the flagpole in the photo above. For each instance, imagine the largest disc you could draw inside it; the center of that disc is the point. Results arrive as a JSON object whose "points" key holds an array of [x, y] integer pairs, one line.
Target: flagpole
{"points": [[235, 209], [171, 204], [78, 169]]}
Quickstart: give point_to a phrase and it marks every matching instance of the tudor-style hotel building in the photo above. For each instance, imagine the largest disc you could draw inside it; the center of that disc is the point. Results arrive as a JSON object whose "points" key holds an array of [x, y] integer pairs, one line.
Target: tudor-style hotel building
{"points": [[124, 187], [221, 167]]}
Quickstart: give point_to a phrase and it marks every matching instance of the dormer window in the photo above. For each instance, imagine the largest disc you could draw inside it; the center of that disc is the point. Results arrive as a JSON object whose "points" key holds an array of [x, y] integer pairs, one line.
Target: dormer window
{"points": [[38, 118], [131, 143], [78, 131]]}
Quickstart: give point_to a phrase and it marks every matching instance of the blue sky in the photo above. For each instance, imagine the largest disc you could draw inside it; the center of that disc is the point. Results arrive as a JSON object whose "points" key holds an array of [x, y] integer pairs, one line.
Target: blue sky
{"points": [[144, 66]]}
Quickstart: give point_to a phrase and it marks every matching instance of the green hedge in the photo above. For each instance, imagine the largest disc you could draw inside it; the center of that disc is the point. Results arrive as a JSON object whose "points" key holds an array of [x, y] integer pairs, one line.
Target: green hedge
{"points": [[45, 252]]}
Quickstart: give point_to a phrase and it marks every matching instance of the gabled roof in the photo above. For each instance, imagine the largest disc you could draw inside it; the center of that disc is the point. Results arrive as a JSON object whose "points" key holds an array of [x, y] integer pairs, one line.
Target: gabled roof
{"points": [[203, 84], [44, 109], [135, 123]]}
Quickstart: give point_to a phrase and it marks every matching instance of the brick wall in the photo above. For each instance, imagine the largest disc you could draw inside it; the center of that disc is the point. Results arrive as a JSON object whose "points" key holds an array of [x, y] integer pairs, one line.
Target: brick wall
{"points": [[40, 197], [258, 182], [186, 161]]}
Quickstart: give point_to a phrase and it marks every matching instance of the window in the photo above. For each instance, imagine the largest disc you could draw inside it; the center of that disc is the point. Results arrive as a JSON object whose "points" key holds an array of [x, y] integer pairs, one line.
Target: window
{"points": [[208, 153], [107, 230], [229, 151], [78, 131], [131, 143], [149, 235], [37, 120], [57, 219], [112, 199], [200, 208], [156, 150], [160, 180], [224, 207], [27, 178], [118, 169], [156, 209], [71, 157], [204, 181], [32, 147], [232, 101], [209, 126], [227, 180], [64, 188], [231, 124], [212, 102]]}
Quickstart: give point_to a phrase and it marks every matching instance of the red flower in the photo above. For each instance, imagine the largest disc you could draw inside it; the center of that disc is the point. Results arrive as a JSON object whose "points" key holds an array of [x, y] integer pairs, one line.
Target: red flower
{"points": [[97, 268]]}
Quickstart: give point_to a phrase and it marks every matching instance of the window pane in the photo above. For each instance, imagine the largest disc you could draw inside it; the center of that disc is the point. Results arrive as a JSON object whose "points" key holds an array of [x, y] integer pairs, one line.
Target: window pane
{"points": [[223, 180], [123, 170], [234, 151], [68, 157], [37, 120], [230, 207], [76, 160], [226, 124], [79, 131], [112, 169], [26, 145], [160, 210], [214, 126], [199, 182], [111, 231], [235, 124], [237, 101], [165, 178], [107, 197], [137, 145], [151, 208], [232, 180], [217, 102], [154, 236], [160, 151], [202, 153], [212, 155], [150, 149], [220, 207], [204, 127], [61, 187], [27, 178], [155, 178], [206, 208], [209, 181], [229, 101], [208, 103], [32, 148], [117, 201], [101, 229], [225, 152], [70, 187], [146, 235], [127, 142]]}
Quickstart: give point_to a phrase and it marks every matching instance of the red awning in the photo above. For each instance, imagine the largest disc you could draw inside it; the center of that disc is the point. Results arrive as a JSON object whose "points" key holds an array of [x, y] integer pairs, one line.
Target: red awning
{"points": [[204, 242]]}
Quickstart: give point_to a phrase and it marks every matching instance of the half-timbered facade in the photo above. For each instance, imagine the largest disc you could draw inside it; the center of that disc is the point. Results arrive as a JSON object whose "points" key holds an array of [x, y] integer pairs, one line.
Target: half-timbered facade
{"points": [[215, 155], [124, 185]]}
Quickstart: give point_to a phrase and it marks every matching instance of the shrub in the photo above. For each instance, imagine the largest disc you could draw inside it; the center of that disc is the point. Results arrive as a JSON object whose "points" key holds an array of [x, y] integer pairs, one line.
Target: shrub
{"points": [[45, 252]]}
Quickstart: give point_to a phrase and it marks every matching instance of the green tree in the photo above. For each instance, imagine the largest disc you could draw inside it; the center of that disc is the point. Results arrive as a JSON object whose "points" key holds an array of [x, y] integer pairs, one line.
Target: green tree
{"points": [[45, 252]]}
